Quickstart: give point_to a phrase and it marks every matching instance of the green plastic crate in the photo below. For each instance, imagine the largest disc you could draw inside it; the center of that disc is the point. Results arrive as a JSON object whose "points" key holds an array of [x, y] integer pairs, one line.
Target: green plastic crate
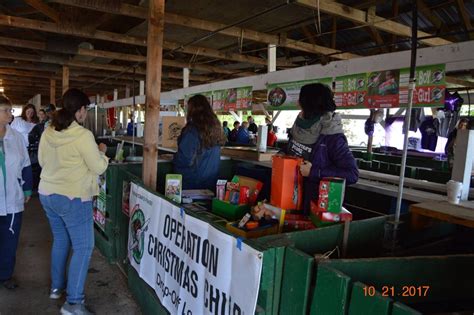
{"points": [[229, 211]]}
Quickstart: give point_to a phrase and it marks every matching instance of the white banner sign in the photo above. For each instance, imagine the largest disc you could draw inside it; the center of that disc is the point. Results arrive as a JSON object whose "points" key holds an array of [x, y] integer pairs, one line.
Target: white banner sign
{"points": [[193, 267]]}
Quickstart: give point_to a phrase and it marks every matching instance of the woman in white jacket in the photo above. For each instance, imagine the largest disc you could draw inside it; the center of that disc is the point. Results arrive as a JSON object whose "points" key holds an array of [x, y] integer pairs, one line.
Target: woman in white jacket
{"points": [[15, 190], [25, 123]]}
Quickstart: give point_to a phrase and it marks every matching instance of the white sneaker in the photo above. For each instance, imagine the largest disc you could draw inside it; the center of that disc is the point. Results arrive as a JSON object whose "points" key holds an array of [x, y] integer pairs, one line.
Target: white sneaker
{"points": [[75, 309], [55, 294]]}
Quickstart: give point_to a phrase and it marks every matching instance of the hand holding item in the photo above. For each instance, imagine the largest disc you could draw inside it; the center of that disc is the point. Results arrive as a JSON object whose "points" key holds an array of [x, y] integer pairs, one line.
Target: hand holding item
{"points": [[305, 168], [102, 147], [258, 211]]}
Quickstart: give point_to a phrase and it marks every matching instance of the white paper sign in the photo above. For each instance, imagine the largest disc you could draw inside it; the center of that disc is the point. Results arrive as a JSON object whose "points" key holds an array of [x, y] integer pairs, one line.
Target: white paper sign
{"points": [[193, 267]]}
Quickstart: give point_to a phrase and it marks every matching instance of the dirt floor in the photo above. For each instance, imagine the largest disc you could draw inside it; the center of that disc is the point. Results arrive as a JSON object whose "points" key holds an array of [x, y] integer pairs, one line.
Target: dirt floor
{"points": [[106, 287]]}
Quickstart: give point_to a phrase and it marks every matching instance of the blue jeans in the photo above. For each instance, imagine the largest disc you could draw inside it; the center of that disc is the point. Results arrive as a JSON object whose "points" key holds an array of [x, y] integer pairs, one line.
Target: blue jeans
{"points": [[71, 224]]}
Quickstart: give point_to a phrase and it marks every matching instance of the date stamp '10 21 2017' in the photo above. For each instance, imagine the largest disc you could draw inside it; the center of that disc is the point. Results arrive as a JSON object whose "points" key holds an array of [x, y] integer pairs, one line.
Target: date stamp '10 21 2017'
{"points": [[404, 291]]}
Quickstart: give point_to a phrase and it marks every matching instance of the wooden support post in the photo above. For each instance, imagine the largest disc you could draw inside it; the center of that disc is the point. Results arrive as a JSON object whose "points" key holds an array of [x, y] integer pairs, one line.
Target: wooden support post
{"points": [[65, 79], [185, 77], [141, 90], [271, 67], [156, 21], [52, 91]]}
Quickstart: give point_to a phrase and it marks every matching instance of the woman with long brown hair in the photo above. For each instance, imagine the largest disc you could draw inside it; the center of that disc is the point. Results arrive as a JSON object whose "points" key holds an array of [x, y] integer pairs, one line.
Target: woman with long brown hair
{"points": [[26, 121], [199, 151]]}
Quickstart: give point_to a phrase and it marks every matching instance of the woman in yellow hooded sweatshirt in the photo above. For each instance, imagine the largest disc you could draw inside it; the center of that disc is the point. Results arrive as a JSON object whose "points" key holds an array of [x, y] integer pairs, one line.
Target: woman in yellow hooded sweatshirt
{"points": [[71, 162]]}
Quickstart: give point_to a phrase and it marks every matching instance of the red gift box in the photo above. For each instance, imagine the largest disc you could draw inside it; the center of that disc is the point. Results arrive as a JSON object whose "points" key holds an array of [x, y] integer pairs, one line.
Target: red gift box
{"points": [[297, 222]]}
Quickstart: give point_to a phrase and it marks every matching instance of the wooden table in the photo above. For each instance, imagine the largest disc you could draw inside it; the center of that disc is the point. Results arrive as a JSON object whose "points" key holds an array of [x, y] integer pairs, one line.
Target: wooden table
{"points": [[462, 214]]}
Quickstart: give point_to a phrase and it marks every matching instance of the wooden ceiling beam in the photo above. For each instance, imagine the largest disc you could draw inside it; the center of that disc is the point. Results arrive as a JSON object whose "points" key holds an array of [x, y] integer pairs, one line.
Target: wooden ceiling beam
{"points": [[18, 22], [361, 17], [428, 13], [45, 9], [14, 42], [395, 9], [374, 33], [91, 65], [18, 72], [175, 19], [466, 83], [464, 13]]}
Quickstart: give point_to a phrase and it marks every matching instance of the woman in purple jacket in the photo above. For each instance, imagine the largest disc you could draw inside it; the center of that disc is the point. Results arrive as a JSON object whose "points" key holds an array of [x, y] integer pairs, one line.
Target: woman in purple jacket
{"points": [[318, 138]]}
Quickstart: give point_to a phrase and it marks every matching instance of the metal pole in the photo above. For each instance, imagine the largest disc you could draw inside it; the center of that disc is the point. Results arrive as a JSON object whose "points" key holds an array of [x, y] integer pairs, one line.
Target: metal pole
{"points": [[133, 114], [411, 88]]}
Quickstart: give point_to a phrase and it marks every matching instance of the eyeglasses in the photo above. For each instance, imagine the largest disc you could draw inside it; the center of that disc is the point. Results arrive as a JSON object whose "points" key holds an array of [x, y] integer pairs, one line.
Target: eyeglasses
{"points": [[7, 110]]}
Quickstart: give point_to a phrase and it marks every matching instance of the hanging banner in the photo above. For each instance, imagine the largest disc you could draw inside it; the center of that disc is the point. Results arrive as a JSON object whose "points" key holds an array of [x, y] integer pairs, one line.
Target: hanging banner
{"points": [[383, 89], [218, 100], [430, 86], [244, 98], [230, 100], [208, 95], [193, 267], [351, 91], [285, 95], [99, 203]]}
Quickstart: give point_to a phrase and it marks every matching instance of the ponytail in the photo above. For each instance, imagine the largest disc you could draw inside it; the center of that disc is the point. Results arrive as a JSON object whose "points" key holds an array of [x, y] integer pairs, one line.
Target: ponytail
{"points": [[62, 119], [73, 100]]}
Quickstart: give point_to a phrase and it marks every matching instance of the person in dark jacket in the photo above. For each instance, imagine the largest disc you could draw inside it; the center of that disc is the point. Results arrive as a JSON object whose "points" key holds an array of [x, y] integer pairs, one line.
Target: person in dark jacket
{"points": [[33, 142], [252, 125], [199, 146], [233, 133], [318, 138]]}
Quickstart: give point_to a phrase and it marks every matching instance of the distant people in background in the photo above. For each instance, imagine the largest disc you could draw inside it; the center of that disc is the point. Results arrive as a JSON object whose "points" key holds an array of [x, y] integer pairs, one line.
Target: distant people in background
{"points": [[252, 126], [199, 146], [268, 121], [243, 136], [33, 141], [271, 136], [49, 110], [25, 123], [463, 124], [15, 191], [42, 116], [233, 133], [226, 129]]}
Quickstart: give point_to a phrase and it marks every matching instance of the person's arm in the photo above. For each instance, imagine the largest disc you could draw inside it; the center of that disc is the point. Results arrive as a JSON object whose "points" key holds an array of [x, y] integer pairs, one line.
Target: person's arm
{"points": [[342, 163], [26, 174], [95, 160], [187, 149]]}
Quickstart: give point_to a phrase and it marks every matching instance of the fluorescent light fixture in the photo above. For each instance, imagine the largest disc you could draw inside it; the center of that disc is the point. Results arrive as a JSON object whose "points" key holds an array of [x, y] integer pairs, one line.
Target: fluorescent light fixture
{"points": [[2, 89]]}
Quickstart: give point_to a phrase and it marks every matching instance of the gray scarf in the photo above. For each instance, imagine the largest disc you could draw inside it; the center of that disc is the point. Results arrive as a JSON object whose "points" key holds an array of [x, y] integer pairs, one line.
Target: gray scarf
{"points": [[329, 124]]}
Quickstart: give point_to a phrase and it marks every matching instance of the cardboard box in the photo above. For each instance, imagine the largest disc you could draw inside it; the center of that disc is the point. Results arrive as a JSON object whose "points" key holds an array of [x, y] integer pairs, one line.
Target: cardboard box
{"points": [[287, 183], [172, 130], [331, 195]]}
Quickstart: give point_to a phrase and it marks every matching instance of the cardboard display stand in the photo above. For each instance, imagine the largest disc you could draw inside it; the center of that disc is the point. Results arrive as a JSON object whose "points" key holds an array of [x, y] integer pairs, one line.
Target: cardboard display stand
{"points": [[172, 130]]}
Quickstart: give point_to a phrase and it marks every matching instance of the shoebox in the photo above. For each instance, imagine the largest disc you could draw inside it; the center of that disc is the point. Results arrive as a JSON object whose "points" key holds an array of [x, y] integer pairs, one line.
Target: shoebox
{"points": [[297, 222], [324, 218], [331, 195]]}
